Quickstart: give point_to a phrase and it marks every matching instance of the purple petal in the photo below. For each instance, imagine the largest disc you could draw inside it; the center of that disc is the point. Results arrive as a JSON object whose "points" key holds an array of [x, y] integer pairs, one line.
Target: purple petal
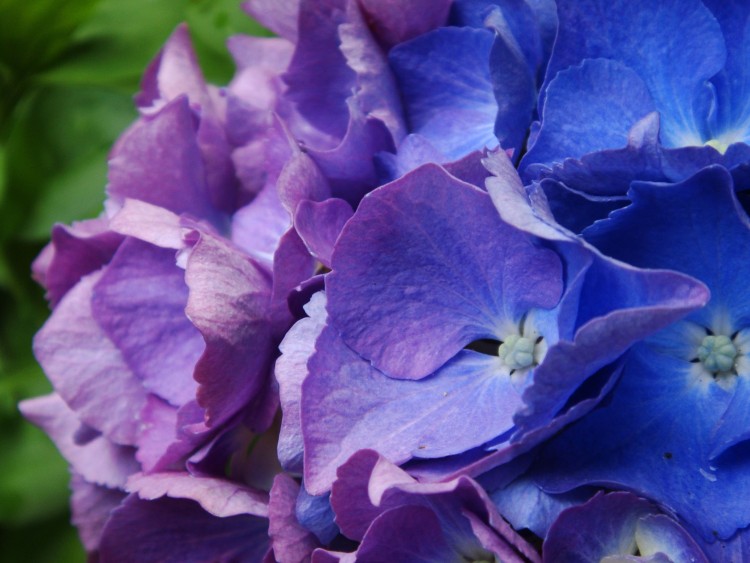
{"points": [[218, 497], [406, 533], [617, 524], [350, 495], [280, 16], [456, 277], [320, 223], [86, 368], [377, 94], [318, 77], [140, 304], [175, 71], [258, 227], [149, 223], [292, 543], [300, 180], [292, 266], [371, 488], [291, 369], [159, 432], [348, 405], [350, 166], [73, 253], [91, 506], [178, 531], [98, 460], [396, 21], [158, 161]]}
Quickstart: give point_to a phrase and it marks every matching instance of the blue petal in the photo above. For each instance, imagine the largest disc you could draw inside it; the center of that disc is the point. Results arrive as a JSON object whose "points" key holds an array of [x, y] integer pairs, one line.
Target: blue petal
{"points": [[445, 84], [514, 60], [732, 118], [695, 227], [675, 46], [653, 437], [315, 514], [589, 107]]}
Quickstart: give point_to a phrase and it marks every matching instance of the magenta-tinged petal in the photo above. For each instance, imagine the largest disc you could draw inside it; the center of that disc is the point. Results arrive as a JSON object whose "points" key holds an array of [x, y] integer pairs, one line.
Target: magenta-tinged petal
{"points": [[158, 161], [170, 435], [91, 505], [148, 223], [291, 542], [413, 281], [271, 54], [396, 21], [320, 223], [219, 497], [74, 252], [302, 179], [174, 72], [86, 368], [228, 303], [98, 460], [140, 304]]}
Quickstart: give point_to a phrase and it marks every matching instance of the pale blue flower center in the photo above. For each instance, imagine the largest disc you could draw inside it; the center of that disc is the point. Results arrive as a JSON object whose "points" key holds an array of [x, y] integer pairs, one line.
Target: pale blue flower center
{"points": [[717, 353], [517, 352]]}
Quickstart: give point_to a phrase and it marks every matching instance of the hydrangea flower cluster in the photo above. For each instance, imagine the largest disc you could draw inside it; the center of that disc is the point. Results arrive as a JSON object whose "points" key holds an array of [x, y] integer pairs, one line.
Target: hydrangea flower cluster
{"points": [[429, 280]]}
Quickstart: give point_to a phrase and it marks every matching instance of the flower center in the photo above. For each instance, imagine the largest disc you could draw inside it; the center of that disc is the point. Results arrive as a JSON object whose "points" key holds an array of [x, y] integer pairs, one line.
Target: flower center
{"points": [[718, 144], [717, 353], [517, 352]]}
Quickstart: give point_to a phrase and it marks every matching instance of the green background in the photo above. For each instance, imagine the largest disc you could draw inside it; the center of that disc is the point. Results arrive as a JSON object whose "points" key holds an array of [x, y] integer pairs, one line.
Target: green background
{"points": [[68, 72]]}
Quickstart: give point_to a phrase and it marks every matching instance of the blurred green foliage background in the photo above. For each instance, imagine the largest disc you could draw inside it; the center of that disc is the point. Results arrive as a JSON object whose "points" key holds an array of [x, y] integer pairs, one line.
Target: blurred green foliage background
{"points": [[68, 71]]}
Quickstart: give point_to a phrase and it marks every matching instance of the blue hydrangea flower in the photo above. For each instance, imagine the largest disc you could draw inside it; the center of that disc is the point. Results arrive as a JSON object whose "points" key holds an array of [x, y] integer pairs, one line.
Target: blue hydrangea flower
{"points": [[615, 63], [675, 427]]}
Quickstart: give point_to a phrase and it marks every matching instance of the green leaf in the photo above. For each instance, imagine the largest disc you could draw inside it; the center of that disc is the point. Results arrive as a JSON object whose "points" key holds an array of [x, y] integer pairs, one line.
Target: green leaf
{"points": [[117, 42], [77, 193], [3, 167], [34, 34], [57, 154], [35, 476], [211, 23]]}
